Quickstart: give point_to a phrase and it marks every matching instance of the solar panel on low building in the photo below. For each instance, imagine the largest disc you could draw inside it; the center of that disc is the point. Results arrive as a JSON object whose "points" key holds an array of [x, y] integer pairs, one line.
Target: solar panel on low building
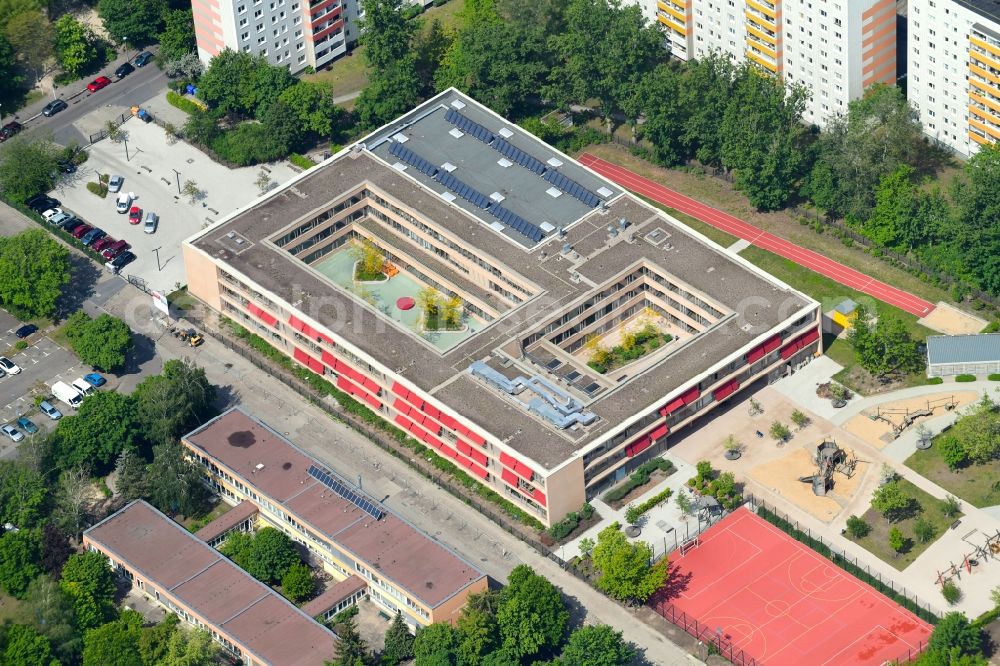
{"points": [[344, 491]]}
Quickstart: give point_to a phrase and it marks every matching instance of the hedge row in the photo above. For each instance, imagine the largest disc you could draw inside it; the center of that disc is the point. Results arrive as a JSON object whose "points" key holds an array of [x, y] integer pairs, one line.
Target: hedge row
{"points": [[183, 103], [301, 161], [634, 513], [638, 477], [352, 406], [565, 527], [965, 378], [994, 377], [851, 568], [936, 380]]}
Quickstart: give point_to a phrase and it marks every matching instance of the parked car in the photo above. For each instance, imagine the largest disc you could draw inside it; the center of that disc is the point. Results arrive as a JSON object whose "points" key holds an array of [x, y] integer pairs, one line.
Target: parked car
{"points": [[124, 70], [50, 213], [124, 202], [123, 260], [143, 59], [54, 107], [82, 386], [12, 432], [45, 407], [113, 251], [60, 219], [41, 203], [27, 425], [10, 129], [102, 244], [134, 215], [92, 236], [98, 83], [95, 380], [152, 220], [9, 366], [115, 184], [25, 331], [72, 224], [82, 231], [3, 373]]}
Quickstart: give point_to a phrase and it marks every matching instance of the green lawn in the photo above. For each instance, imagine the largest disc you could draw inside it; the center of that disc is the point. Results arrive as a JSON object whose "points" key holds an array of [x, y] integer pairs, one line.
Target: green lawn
{"points": [[877, 541], [195, 523], [10, 608], [707, 230], [979, 485], [829, 293], [350, 73]]}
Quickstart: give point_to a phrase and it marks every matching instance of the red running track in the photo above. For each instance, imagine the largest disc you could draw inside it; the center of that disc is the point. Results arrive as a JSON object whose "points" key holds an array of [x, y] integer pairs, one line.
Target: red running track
{"points": [[756, 236]]}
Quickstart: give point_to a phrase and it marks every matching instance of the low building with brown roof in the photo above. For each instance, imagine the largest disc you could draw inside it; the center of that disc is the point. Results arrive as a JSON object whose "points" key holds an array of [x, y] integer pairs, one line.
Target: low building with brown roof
{"points": [[350, 533], [193, 580]]}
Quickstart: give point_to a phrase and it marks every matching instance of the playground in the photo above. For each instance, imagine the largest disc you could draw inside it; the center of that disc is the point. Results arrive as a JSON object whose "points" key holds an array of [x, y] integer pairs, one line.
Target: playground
{"points": [[764, 598], [882, 424]]}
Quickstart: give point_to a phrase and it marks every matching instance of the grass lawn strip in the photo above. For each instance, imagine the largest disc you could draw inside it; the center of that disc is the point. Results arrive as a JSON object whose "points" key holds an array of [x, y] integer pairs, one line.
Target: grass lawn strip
{"points": [[979, 485], [877, 541]]}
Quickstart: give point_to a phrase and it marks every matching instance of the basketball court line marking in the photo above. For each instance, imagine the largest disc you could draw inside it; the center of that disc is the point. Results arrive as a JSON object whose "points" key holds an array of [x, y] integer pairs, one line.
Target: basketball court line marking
{"points": [[885, 630]]}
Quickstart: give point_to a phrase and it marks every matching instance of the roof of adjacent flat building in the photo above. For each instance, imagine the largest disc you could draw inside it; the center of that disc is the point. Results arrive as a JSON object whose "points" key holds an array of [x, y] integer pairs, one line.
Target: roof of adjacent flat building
{"points": [[756, 302], [988, 9], [430, 572], [973, 348], [243, 511], [211, 586]]}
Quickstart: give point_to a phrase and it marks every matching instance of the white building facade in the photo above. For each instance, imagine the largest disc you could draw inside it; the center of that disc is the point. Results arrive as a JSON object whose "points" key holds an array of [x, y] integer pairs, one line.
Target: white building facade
{"points": [[294, 33], [835, 49], [953, 71]]}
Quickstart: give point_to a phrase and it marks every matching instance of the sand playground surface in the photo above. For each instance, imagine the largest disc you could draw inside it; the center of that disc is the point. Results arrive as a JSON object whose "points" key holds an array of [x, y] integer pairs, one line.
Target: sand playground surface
{"points": [[781, 477], [948, 319], [878, 432]]}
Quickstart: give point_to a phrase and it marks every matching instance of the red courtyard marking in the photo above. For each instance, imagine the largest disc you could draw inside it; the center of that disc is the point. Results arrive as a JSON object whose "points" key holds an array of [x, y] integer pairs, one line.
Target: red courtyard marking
{"points": [[782, 603], [762, 239]]}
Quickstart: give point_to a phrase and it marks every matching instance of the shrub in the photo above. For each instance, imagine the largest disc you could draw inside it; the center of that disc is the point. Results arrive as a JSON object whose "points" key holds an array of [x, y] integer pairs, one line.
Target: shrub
{"points": [[936, 380], [248, 144], [994, 377], [951, 506], [182, 103], [779, 431], [896, 540], [965, 378], [100, 189], [301, 161], [924, 530], [639, 477], [857, 527], [951, 593], [952, 452]]}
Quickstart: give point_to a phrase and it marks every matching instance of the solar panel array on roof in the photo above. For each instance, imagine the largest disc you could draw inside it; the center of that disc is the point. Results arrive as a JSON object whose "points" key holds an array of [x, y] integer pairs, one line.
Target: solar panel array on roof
{"points": [[516, 222], [400, 151], [518, 156], [572, 188], [469, 126], [341, 488], [473, 196]]}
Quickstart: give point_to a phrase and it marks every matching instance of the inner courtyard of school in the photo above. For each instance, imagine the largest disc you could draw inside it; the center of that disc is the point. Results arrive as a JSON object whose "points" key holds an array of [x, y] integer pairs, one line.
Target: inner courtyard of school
{"points": [[501, 303]]}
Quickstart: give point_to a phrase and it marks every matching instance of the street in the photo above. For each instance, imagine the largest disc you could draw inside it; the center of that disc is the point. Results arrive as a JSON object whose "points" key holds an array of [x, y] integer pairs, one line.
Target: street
{"points": [[139, 86], [383, 476]]}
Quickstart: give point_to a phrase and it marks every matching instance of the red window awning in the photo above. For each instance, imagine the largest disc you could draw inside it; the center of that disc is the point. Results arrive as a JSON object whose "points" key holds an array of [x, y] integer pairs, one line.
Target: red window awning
{"points": [[478, 456], [463, 447], [772, 343], [329, 359], [522, 470], [672, 406], [295, 322], [406, 423], [479, 471], [509, 478], [638, 447], [399, 389], [265, 317], [372, 401], [725, 390], [798, 343], [448, 421], [691, 395], [307, 360], [539, 496], [660, 431], [507, 461], [755, 355]]}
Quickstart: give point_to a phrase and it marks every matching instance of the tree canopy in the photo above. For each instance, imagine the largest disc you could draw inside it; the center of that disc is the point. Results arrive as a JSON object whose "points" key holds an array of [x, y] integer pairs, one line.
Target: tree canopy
{"points": [[24, 495], [136, 23], [19, 555], [884, 348], [34, 268], [24, 646], [32, 37], [596, 645], [625, 570], [398, 643], [86, 578], [177, 38], [75, 45], [95, 436], [114, 643], [532, 617], [103, 342], [242, 84], [267, 555], [174, 402]]}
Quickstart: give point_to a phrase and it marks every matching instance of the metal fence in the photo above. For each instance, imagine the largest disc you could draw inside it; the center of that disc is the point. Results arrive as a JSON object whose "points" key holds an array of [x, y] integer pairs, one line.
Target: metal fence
{"points": [[103, 132], [704, 634]]}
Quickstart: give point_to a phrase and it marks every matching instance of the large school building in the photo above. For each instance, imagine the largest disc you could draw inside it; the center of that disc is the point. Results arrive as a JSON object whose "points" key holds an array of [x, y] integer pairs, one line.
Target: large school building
{"points": [[529, 320]]}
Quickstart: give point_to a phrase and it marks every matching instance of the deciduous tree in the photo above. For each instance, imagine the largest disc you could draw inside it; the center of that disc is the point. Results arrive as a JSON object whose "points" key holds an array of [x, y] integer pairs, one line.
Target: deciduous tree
{"points": [[625, 570], [532, 617], [115, 643], [103, 342], [50, 611], [10, 77], [75, 46], [891, 501], [435, 643], [596, 645], [175, 484], [34, 268], [32, 37], [19, 555], [24, 495], [313, 109], [135, 23], [298, 583], [26, 647], [177, 39], [105, 425], [885, 348], [87, 580], [173, 402]]}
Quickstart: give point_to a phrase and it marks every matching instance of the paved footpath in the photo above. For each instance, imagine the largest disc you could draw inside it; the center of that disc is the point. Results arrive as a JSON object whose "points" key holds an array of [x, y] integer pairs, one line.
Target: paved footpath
{"points": [[757, 236]]}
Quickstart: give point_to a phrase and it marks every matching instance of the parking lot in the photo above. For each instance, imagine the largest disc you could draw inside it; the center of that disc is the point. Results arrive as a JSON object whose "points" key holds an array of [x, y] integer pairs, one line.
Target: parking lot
{"points": [[42, 364], [149, 172]]}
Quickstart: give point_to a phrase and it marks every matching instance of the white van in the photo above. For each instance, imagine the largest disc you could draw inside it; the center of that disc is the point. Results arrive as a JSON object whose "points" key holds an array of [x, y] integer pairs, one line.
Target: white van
{"points": [[82, 386], [67, 394]]}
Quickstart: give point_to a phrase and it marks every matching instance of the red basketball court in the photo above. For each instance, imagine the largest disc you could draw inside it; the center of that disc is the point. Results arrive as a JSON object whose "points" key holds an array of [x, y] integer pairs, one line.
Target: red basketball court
{"points": [[782, 603]]}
